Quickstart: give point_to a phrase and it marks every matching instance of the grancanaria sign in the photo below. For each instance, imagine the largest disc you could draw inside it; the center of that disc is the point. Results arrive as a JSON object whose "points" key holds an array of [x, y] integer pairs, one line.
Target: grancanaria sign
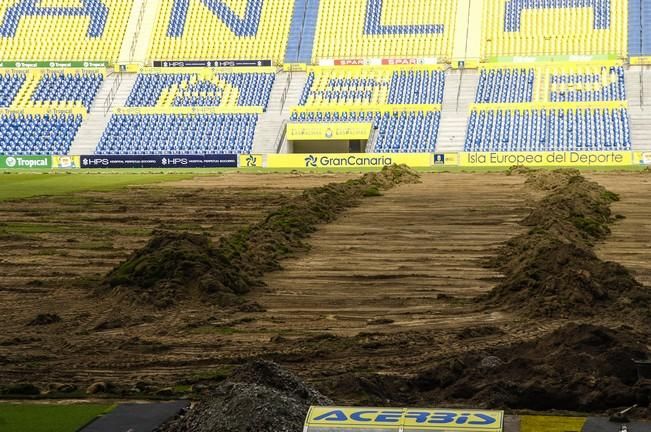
{"points": [[347, 160], [343, 419]]}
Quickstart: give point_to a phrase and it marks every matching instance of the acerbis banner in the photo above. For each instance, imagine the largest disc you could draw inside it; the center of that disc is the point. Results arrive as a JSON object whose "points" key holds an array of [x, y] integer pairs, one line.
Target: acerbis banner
{"points": [[159, 161], [582, 159], [332, 419], [25, 162]]}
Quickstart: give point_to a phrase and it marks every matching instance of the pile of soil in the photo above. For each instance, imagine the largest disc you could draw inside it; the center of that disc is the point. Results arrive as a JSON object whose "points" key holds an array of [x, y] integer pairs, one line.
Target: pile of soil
{"points": [[174, 266], [259, 396], [582, 368], [178, 266], [552, 270]]}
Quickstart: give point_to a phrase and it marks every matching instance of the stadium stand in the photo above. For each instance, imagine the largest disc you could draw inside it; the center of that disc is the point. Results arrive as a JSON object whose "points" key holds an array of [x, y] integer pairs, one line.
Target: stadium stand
{"points": [[43, 109], [190, 112], [639, 28], [555, 27], [67, 30], [402, 103], [215, 30], [384, 29], [551, 107]]}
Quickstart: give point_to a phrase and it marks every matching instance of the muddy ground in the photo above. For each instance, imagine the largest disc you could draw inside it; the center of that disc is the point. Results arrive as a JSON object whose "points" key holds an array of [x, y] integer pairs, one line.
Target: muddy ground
{"points": [[386, 288]]}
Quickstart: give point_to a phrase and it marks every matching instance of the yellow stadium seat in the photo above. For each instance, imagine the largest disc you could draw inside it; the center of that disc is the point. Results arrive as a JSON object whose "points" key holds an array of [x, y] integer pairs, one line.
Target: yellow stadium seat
{"points": [[76, 34]]}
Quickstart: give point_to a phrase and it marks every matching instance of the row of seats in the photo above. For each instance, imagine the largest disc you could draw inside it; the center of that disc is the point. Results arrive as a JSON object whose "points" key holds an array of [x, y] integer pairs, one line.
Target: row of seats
{"points": [[494, 126], [61, 87], [208, 88], [10, 84], [138, 134], [176, 132], [548, 130], [258, 29], [368, 85], [32, 94], [554, 27], [50, 89], [27, 134], [396, 132], [551, 83], [217, 30], [87, 30]]}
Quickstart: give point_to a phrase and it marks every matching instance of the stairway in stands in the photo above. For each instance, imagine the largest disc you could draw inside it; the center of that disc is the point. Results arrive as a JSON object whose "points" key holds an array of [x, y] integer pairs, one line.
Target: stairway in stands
{"points": [[460, 89], [272, 122], [114, 93]]}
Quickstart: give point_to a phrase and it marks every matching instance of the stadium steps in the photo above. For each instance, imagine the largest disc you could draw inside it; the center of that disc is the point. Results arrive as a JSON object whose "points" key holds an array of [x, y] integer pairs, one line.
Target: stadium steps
{"points": [[271, 121], [459, 94], [638, 92], [97, 120], [302, 32], [140, 29]]}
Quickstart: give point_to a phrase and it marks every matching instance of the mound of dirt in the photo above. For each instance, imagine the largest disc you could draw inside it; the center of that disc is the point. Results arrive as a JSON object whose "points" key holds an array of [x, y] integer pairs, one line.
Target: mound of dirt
{"points": [[177, 266], [174, 266], [551, 270], [582, 368], [259, 396]]}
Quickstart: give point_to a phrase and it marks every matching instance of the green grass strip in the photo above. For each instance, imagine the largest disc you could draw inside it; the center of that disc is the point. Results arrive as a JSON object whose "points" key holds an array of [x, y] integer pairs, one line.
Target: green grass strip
{"points": [[49, 418]]}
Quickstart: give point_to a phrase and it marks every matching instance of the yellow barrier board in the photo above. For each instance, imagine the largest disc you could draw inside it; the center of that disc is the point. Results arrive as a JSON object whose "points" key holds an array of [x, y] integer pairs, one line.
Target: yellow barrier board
{"points": [[348, 160], [43, 110], [66, 162], [251, 160], [642, 158], [333, 419], [541, 159], [188, 110], [640, 60], [365, 107], [328, 131]]}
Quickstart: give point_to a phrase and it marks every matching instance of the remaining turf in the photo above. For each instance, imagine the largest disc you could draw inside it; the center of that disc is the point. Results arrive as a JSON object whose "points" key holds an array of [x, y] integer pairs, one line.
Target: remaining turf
{"points": [[551, 424], [48, 418], [13, 186]]}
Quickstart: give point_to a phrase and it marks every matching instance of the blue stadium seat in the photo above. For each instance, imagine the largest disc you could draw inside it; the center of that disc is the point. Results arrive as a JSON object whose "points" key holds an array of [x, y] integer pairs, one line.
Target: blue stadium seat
{"points": [[30, 134], [10, 84], [137, 134], [397, 132]]}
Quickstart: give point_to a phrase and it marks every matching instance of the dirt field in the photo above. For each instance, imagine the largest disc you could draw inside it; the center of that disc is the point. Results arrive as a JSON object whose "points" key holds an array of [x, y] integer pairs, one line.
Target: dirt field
{"points": [[385, 288]]}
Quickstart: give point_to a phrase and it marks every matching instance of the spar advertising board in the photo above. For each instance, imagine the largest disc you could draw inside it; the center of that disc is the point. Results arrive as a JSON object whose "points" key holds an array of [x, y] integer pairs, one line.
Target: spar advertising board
{"points": [[346, 419]]}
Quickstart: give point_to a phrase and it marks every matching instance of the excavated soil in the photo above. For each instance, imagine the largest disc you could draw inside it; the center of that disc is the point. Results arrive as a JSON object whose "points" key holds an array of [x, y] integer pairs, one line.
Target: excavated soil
{"points": [[173, 267], [579, 367], [259, 396], [551, 270], [378, 306]]}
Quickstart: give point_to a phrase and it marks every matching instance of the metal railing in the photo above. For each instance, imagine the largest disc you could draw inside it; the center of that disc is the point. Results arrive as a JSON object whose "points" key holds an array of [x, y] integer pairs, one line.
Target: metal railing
{"points": [[372, 141], [280, 138], [108, 103], [136, 34], [288, 83]]}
